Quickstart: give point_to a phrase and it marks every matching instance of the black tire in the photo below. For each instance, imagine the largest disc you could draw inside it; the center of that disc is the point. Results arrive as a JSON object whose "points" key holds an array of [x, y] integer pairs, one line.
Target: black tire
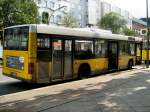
{"points": [[130, 64], [84, 71]]}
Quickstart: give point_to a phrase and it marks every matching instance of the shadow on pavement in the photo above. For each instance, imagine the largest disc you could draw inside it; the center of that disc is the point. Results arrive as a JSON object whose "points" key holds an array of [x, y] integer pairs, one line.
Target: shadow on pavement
{"points": [[127, 94]]}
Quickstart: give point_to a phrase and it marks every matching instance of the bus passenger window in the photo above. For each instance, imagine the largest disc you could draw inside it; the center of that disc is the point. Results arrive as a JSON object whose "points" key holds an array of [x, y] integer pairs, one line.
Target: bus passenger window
{"points": [[84, 49], [100, 48], [123, 49], [131, 49]]}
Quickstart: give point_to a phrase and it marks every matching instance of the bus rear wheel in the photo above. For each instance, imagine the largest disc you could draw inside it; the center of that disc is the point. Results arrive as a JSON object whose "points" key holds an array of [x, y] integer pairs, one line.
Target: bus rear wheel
{"points": [[84, 71]]}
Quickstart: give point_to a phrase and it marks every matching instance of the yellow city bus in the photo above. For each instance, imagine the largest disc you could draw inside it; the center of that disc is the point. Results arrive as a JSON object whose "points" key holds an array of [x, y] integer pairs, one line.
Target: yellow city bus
{"points": [[44, 54], [144, 52]]}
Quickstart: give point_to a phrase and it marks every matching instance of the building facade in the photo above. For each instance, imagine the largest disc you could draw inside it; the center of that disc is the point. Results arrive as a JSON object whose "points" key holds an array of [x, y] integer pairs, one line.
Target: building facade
{"points": [[139, 26], [52, 10], [94, 10], [86, 12]]}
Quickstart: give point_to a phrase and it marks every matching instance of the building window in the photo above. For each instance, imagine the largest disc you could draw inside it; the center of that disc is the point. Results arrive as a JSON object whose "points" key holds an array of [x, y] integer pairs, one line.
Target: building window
{"points": [[46, 3], [58, 18], [45, 17], [39, 1], [80, 17], [59, 5], [65, 9], [52, 19], [52, 4]]}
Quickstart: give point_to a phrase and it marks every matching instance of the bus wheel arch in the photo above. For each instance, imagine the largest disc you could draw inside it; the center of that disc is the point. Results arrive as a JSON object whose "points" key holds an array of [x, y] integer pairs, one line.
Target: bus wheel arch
{"points": [[84, 70], [130, 64]]}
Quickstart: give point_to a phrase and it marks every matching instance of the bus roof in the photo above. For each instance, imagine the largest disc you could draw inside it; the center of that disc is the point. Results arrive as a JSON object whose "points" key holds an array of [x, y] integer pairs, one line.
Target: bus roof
{"points": [[77, 32]]}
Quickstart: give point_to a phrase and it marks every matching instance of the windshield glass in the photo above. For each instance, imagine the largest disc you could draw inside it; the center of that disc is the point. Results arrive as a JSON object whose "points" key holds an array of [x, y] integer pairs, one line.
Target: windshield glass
{"points": [[16, 38]]}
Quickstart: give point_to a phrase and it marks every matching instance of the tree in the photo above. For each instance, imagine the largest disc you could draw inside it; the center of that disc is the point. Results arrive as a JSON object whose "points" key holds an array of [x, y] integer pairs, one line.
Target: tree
{"points": [[129, 32], [14, 12], [69, 21], [112, 21]]}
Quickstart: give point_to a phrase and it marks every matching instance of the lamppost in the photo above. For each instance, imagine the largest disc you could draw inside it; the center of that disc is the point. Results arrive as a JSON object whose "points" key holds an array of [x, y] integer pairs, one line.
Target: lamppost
{"points": [[147, 62]]}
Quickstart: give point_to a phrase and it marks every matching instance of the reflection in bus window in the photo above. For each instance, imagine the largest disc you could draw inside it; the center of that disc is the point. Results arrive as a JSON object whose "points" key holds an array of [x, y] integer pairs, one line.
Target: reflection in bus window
{"points": [[57, 44], [131, 49], [100, 48], [84, 49], [43, 42], [43, 47], [123, 48], [68, 45], [16, 38]]}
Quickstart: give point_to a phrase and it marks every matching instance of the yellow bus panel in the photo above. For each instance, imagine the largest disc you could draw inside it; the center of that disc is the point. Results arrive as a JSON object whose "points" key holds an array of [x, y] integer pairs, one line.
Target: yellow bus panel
{"points": [[23, 74], [95, 64], [124, 60], [144, 55]]}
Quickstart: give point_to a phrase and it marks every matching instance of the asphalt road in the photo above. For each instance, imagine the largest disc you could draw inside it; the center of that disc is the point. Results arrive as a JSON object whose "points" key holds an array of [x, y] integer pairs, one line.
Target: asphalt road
{"points": [[124, 91], [10, 85]]}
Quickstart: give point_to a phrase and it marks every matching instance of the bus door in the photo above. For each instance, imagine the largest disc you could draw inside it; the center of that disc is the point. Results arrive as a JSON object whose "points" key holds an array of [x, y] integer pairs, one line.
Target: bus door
{"points": [[62, 59], [68, 59], [113, 55], [57, 63], [43, 67], [138, 53]]}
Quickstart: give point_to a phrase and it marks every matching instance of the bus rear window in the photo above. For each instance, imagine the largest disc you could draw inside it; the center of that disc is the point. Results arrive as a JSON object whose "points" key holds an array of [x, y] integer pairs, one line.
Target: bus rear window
{"points": [[16, 38]]}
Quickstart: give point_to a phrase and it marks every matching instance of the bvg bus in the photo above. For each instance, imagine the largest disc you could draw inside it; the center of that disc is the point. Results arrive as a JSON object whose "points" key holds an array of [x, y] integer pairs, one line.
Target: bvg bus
{"points": [[44, 54]]}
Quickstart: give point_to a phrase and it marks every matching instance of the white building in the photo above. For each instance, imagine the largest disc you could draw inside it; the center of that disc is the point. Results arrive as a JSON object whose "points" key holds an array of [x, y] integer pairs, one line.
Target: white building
{"points": [[53, 9], [105, 8], [86, 12], [94, 10]]}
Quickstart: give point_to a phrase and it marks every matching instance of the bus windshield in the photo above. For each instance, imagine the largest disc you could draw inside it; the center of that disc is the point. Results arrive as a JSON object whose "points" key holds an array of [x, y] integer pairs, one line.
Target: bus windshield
{"points": [[16, 38]]}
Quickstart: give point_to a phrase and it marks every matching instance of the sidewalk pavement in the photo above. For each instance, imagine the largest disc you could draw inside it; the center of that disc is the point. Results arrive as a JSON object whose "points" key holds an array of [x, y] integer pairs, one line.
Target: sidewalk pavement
{"points": [[125, 91]]}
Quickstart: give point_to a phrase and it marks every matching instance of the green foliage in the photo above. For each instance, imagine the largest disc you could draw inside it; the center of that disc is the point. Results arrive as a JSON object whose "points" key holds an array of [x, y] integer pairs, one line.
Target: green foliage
{"points": [[112, 21], [70, 21], [129, 32], [14, 12]]}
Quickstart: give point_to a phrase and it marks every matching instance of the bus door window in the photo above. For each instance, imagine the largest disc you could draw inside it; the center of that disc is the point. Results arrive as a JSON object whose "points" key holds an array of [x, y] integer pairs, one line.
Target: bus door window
{"points": [[113, 55], [68, 58], [43, 48], [57, 59]]}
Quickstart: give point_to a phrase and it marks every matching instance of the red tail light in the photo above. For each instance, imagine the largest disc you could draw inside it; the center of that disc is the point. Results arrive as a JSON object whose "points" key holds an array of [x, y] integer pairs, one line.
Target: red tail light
{"points": [[31, 68]]}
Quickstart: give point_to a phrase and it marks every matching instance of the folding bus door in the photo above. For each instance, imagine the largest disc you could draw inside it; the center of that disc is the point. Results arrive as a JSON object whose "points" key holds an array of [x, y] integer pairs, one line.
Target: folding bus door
{"points": [[57, 63], [113, 55], [43, 59], [62, 59], [68, 59]]}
